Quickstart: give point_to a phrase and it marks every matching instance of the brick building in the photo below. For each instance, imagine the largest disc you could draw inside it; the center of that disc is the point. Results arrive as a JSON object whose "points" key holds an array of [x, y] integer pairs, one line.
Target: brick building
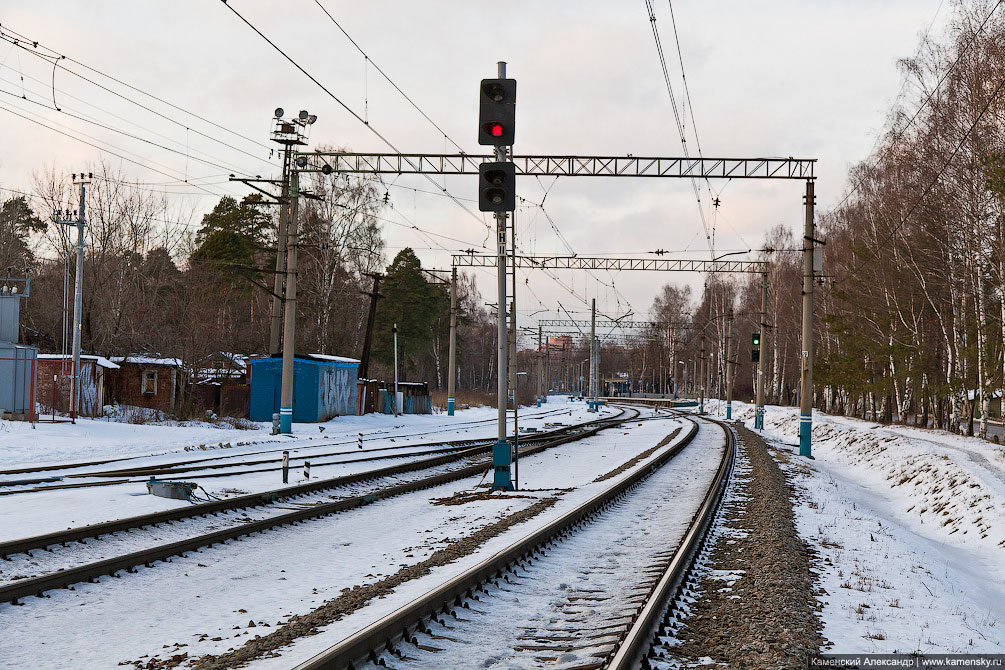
{"points": [[145, 381]]}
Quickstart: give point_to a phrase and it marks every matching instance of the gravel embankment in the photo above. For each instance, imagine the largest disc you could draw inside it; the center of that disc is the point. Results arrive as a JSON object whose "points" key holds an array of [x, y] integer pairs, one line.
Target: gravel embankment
{"points": [[756, 606]]}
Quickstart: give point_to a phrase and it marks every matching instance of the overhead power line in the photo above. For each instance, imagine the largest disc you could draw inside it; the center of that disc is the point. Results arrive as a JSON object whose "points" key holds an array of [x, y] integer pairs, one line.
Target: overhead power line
{"points": [[351, 111], [188, 153], [21, 41], [370, 61], [677, 115], [103, 149]]}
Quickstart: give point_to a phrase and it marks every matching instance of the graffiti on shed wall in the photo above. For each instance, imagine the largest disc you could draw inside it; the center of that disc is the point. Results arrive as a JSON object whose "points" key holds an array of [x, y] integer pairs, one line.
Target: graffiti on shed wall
{"points": [[337, 389], [89, 405]]}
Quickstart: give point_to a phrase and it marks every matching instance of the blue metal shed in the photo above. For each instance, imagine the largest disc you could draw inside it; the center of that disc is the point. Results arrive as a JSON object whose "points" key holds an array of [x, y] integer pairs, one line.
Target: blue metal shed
{"points": [[323, 387]]}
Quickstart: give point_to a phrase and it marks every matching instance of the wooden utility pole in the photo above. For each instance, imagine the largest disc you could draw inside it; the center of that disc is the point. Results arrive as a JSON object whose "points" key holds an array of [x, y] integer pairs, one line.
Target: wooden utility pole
{"points": [[364, 359]]}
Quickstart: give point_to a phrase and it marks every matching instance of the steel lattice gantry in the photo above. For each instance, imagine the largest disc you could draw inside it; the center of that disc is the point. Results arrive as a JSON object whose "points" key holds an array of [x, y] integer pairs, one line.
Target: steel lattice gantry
{"points": [[613, 264], [624, 166], [565, 166], [626, 325]]}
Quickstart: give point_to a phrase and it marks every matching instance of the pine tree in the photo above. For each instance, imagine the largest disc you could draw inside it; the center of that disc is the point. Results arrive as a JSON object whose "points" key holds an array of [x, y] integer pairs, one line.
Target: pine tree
{"points": [[410, 302]]}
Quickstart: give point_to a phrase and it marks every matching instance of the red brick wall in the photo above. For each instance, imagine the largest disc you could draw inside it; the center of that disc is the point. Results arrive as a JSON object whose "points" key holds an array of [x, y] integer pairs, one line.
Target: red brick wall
{"points": [[47, 367], [124, 386]]}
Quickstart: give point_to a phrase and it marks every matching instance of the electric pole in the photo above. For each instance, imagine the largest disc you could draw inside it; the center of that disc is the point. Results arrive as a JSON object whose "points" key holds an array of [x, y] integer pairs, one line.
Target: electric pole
{"points": [[452, 356], [593, 356], [806, 377], [290, 311], [729, 366], [701, 373], [540, 370], [364, 360], [275, 332], [759, 409], [80, 221]]}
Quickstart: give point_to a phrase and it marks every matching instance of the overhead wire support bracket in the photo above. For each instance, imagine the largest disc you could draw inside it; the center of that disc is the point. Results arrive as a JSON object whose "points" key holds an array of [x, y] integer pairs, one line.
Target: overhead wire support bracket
{"points": [[253, 183]]}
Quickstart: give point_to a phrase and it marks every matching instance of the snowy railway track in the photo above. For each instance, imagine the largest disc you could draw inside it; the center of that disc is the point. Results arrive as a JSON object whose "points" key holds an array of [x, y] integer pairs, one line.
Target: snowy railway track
{"points": [[208, 466], [65, 577], [609, 623]]}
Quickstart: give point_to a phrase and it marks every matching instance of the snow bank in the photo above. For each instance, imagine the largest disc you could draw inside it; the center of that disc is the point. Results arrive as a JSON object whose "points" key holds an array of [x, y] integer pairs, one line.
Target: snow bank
{"points": [[910, 529]]}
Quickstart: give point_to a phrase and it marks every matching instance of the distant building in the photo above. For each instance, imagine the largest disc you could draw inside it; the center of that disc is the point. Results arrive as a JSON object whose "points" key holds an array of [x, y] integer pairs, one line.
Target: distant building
{"points": [[144, 380], [560, 343]]}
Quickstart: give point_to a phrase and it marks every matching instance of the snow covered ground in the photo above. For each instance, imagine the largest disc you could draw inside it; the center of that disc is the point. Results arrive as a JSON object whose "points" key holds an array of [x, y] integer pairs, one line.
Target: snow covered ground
{"points": [[203, 603], [910, 529], [22, 445], [26, 514]]}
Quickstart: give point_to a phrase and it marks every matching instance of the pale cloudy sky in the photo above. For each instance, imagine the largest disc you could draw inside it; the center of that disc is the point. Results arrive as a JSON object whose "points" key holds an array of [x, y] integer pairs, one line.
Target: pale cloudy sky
{"points": [[803, 78]]}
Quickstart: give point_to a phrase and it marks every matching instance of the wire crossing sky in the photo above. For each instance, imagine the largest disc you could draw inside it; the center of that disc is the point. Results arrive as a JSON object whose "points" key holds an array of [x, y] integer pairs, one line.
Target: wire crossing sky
{"points": [[193, 101]]}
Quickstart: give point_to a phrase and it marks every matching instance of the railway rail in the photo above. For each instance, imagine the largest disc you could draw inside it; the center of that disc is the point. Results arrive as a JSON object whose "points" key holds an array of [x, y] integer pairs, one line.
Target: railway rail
{"points": [[633, 641], [123, 475], [37, 586]]}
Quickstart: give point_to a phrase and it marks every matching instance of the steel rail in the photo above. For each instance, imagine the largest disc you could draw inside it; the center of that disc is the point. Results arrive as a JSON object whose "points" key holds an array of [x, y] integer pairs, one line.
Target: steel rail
{"points": [[274, 449], [80, 533], [635, 645], [402, 623], [38, 585]]}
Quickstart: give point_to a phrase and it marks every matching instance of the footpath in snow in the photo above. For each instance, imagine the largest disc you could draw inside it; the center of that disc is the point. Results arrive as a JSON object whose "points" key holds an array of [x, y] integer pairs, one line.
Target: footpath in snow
{"points": [[909, 526]]}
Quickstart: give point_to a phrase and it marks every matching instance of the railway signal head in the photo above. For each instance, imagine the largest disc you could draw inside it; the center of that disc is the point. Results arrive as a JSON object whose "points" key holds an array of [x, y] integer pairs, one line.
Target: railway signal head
{"points": [[496, 112], [497, 187], [755, 355], [755, 339]]}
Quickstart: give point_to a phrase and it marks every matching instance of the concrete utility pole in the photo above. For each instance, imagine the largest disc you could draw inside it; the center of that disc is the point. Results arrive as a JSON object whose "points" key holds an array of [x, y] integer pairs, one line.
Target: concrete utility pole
{"points": [[290, 309], [502, 455], [78, 298], [729, 366], [275, 332], [759, 409], [514, 379], [452, 357], [701, 373], [806, 377], [593, 356], [540, 370], [394, 332]]}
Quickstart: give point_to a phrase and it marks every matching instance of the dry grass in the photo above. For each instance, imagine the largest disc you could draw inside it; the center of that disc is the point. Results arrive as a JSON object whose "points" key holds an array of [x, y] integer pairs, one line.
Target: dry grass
{"points": [[464, 399]]}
